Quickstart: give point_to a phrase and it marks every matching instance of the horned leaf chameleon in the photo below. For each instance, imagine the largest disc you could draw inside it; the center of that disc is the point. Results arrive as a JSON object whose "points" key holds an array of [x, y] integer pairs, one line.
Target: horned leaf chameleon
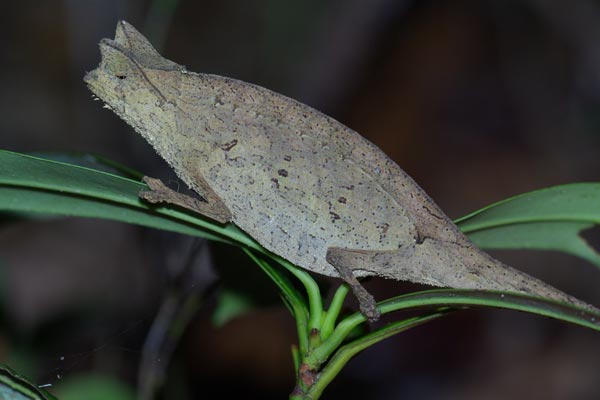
{"points": [[303, 185]]}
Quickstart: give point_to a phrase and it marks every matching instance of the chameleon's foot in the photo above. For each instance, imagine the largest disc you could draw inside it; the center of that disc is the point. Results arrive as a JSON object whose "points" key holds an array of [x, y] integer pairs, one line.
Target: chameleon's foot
{"points": [[365, 299], [160, 193], [367, 304]]}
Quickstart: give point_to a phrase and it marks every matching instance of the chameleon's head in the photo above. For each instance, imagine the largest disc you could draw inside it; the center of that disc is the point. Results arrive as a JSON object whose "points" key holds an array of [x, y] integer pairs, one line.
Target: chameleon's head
{"points": [[132, 77]]}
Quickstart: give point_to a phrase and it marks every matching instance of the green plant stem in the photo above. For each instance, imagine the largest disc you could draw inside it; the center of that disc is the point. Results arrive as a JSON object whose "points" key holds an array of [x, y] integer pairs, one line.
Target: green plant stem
{"points": [[315, 303], [346, 352], [444, 298], [301, 330], [295, 358], [333, 312]]}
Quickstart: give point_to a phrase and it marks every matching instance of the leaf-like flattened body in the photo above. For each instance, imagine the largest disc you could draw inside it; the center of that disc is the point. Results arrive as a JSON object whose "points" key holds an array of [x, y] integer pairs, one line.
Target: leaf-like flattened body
{"points": [[303, 185]]}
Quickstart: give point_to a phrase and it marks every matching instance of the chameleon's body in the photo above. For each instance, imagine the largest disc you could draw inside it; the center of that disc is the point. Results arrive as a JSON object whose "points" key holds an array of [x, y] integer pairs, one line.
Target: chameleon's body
{"points": [[303, 185]]}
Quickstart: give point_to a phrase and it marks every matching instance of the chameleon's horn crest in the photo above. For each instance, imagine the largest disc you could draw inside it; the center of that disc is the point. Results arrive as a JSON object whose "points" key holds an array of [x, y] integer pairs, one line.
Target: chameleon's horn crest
{"points": [[131, 39]]}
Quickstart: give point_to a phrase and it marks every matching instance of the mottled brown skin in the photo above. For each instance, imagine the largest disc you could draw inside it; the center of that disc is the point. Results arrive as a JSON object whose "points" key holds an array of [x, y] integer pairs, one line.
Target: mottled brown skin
{"points": [[302, 184]]}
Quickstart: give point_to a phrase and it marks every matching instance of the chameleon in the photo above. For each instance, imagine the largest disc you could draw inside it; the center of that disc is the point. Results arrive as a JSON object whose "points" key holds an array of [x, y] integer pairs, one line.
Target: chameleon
{"points": [[303, 185]]}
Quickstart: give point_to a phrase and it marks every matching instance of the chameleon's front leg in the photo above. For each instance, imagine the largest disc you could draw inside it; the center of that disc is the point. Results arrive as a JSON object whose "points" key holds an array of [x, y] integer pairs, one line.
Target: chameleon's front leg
{"points": [[212, 208]]}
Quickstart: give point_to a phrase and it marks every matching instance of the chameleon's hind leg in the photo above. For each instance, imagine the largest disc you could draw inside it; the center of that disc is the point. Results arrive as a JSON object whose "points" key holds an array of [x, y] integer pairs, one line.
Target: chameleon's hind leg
{"points": [[397, 264], [345, 261], [212, 207]]}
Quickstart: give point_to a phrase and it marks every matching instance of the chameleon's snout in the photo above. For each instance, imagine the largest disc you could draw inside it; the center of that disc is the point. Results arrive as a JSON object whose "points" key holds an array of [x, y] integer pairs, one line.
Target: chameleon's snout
{"points": [[92, 80], [91, 77]]}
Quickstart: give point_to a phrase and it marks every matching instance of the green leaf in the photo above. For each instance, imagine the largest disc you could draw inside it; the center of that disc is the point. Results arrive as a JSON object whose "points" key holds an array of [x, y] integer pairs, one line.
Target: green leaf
{"points": [[31, 184], [15, 387], [442, 299], [546, 219], [15, 198], [561, 236]]}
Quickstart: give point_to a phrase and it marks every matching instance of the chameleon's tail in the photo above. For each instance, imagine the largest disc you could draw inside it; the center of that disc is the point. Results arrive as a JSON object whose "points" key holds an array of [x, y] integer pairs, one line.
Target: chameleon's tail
{"points": [[480, 271], [459, 265]]}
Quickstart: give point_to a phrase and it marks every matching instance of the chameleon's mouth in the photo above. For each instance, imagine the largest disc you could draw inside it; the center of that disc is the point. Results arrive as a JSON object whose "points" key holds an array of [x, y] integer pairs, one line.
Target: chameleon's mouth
{"points": [[91, 80], [100, 86], [92, 77]]}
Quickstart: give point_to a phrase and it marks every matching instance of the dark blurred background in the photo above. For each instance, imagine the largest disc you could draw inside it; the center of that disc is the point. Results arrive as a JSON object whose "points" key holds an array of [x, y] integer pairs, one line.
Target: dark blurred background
{"points": [[477, 100]]}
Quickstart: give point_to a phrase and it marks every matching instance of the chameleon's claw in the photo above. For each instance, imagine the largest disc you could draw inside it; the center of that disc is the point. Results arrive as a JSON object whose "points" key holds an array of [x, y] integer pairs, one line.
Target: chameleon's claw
{"points": [[368, 308]]}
